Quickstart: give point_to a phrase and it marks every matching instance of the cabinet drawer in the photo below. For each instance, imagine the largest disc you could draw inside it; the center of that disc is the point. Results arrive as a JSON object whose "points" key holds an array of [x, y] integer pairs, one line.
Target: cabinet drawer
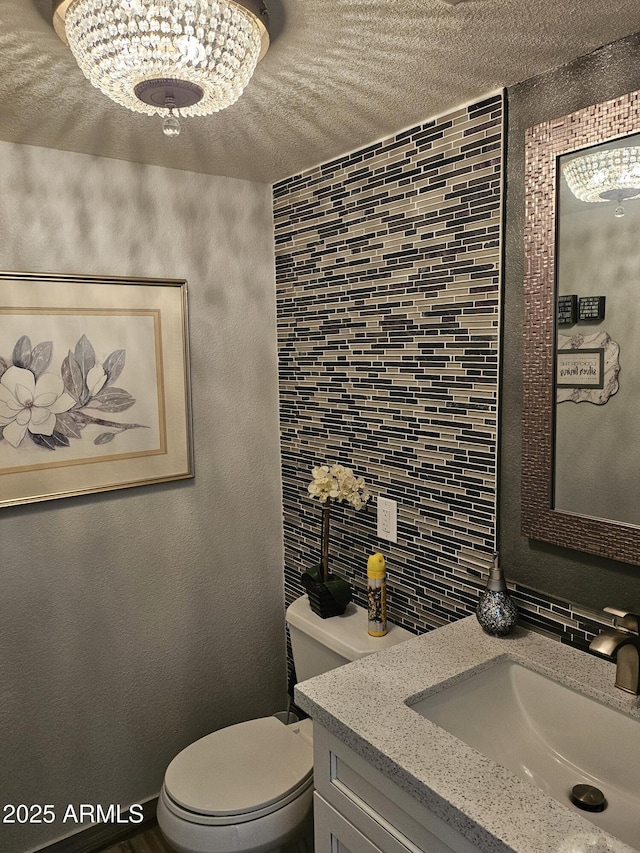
{"points": [[381, 810], [334, 834]]}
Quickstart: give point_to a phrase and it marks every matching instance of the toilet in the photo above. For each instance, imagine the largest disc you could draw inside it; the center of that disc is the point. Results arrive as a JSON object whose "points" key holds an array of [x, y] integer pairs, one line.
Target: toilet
{"points": [[248, 788]]}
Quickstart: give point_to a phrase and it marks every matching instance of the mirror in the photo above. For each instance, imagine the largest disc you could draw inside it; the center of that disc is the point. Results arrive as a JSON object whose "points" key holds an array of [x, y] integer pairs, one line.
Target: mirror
{"points": [[597, 280], [580, 487]]}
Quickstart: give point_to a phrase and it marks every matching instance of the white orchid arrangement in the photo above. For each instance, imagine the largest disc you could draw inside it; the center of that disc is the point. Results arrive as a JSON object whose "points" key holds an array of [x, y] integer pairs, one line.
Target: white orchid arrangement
{"points": [[328, 484], [338, 483]]}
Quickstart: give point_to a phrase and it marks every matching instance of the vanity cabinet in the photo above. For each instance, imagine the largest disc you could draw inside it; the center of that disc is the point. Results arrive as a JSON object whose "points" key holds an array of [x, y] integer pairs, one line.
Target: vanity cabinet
{"points": [[357, 809]]}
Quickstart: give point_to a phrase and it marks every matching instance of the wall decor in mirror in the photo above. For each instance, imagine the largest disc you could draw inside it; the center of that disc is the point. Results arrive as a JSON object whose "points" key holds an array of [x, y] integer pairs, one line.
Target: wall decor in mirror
{"points": [[581, 382]]}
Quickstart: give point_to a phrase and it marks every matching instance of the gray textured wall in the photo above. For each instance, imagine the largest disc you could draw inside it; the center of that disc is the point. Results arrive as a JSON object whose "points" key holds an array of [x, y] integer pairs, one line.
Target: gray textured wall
{"points": [[136, 621], [607, 73]]}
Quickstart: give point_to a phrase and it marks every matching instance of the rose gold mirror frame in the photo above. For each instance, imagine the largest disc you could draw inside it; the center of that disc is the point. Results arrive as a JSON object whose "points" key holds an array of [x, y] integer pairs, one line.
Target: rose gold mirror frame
{"points": [[544, 143]]}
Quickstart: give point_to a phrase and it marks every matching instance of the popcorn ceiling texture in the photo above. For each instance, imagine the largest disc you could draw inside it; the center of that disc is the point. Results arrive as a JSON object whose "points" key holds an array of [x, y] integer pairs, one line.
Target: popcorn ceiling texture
{"points": [[338, 74], [387, 270]]}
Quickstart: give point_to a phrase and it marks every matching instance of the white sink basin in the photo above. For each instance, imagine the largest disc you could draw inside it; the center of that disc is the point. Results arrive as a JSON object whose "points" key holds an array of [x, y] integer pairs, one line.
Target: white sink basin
{"points": [[548, 735]]}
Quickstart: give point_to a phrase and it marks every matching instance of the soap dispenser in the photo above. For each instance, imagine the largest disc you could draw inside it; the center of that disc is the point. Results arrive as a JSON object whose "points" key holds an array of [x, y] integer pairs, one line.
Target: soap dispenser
{"points": [[496, 612]]}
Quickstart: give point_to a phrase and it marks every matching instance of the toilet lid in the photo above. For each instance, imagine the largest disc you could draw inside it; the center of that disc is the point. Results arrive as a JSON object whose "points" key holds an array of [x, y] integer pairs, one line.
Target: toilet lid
{"points": [[240, 769]]}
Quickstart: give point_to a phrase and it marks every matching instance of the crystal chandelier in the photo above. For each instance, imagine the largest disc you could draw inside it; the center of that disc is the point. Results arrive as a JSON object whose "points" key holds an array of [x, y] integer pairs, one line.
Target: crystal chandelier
{"points": [[166, 57], [608, 175]]}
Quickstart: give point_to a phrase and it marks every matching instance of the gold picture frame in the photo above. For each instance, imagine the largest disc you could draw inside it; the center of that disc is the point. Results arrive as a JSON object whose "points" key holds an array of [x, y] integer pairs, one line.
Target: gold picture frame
{"points": [[94, 385]]}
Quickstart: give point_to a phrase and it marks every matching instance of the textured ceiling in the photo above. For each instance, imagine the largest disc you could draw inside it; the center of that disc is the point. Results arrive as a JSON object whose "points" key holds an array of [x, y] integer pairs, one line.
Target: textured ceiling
{"points": [[338, 75]]}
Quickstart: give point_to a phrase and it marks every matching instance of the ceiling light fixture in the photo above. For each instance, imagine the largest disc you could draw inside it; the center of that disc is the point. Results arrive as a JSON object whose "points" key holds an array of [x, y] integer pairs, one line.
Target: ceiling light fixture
{"points": [[166, 57], [608, 175]]}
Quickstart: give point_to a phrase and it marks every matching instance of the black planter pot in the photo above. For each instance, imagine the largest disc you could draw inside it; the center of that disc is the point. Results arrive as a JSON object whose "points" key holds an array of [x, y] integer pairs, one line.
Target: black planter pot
{"points": [[328, 600]]}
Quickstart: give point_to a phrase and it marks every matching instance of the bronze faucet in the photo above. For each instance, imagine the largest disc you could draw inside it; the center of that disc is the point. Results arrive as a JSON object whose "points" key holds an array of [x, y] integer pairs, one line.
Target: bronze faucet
{"points": [[622, 644]]}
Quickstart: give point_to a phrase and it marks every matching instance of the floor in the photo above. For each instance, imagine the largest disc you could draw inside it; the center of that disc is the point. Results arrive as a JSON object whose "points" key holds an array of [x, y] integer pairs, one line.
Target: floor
{"points": [[148, 841], [152, 841]]}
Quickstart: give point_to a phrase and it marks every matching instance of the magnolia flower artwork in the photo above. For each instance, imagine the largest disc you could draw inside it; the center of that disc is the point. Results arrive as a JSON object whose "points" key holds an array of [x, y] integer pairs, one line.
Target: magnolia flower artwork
{"points": [[94, 385], [51, 409]]}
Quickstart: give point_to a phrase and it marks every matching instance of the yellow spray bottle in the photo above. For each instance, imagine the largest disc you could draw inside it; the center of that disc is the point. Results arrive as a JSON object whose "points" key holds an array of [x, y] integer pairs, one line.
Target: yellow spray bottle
{"points": [[377, 595]]}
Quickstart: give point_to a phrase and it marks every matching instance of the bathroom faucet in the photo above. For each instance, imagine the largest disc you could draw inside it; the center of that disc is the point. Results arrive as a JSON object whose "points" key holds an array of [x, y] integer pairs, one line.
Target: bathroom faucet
{"points": [[622, 644]]}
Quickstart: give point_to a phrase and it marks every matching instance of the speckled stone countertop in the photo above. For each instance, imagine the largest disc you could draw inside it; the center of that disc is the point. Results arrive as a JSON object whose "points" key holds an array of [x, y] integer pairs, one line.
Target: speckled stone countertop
{"points": [[364, 705]]}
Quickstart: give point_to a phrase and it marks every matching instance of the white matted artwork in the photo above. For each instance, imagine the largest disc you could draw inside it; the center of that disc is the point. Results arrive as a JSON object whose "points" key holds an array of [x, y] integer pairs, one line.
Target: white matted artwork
{"points": [[587, 368], [94, 385]]}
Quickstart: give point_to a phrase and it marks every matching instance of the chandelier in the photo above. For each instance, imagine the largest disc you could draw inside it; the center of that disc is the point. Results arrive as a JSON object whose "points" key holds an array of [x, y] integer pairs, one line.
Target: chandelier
{"points": [[166, 57], [608, 175]]}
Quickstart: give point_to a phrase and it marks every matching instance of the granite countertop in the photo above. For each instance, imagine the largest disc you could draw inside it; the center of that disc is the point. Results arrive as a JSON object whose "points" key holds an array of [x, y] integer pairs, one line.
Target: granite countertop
{"points": [[364, 705]]}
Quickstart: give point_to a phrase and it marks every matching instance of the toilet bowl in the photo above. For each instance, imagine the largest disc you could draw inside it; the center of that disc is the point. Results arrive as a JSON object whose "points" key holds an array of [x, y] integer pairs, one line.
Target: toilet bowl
{"points": [[243, 789], [248, 788]]}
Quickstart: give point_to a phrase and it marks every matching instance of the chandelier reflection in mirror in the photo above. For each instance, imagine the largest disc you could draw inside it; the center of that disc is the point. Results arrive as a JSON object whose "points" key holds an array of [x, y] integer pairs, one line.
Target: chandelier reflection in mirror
{"points": [[172, 58], [607, 175]]}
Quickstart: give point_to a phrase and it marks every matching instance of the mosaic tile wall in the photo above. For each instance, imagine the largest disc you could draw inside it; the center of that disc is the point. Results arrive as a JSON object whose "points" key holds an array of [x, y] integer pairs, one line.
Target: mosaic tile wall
{"points": [[387, 270], [569, 623]]}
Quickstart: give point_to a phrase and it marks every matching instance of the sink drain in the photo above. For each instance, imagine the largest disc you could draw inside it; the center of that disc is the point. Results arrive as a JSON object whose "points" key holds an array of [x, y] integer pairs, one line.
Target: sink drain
{"points": [[588, 797]]}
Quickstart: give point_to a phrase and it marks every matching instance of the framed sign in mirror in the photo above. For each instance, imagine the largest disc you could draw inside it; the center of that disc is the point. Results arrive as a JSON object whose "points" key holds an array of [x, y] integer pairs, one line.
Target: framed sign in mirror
{"points": [[596, 136], [94, 385]]}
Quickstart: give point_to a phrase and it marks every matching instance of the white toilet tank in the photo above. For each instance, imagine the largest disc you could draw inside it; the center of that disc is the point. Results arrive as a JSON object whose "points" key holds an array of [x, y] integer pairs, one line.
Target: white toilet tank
{"points": [[319, 645]]}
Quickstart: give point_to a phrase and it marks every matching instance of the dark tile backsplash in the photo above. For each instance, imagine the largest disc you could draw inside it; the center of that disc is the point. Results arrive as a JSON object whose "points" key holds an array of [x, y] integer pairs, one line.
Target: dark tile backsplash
{"points": [[388, 290]]}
